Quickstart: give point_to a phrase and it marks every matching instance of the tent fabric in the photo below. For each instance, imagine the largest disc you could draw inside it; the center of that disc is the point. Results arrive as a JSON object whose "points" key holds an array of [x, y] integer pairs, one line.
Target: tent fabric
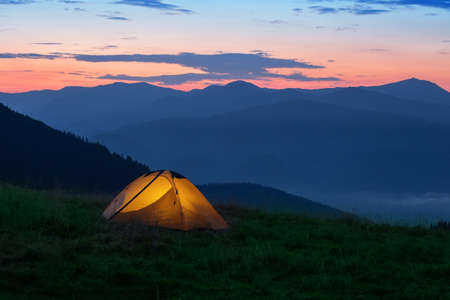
{"points": [[167, 199]]}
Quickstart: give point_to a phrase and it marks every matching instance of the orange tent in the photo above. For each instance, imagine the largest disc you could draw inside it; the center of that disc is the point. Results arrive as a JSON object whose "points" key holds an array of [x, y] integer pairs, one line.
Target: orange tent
{"points": [[167, 199]]}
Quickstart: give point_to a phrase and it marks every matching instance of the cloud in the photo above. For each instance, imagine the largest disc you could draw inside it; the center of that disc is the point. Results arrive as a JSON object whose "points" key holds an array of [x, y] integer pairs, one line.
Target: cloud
{"points": [[445, 4], [378, 50], [355, 10], [259, 51], [430, 3], [72, 2], [446, 41], [48, 44], [193, 77], [221, 63], [76, 9], [220, 66], [278, 22], [113, 15], [364, 7], [156, 4], [114, 18], [324, 10], [232, 63], [331, 60], [297, 10], [365, 11], [16, 2], [28, 56], [107, 47], [346, 28]]}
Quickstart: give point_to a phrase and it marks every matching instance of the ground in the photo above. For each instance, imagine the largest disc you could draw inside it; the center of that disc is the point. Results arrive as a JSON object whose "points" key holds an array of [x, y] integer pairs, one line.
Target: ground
{"points": [[55, 245]]}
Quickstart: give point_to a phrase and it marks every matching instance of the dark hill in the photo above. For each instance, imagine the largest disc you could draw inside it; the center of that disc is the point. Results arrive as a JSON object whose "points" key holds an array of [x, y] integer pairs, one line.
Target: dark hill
{"points": [[258, 196], [34, 154]]}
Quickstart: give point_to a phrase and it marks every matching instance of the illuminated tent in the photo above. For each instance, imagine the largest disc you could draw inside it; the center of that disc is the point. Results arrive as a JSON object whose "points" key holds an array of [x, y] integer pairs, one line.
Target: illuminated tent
{"points": [[164, 198]]}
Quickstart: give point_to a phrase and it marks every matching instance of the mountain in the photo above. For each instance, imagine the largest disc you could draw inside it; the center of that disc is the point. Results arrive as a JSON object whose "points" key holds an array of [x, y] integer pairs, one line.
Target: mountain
{"points": [[84, 110], [218, 99], [415, 89], [368, 99], [383, 139], [297, 142], [91, 111], [36, 155], [258, 196], [301, 146]]}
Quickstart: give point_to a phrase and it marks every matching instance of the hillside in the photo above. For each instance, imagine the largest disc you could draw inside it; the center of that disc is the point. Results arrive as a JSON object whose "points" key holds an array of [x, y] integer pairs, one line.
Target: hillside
{"points": [[267, 198], [53, 245], [36, 155]]}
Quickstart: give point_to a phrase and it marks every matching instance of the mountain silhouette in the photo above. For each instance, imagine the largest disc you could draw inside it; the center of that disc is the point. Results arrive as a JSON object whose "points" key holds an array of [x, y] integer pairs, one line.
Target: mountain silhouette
{"points": [[91, 111], [415, 89], [36, 155], [258, 196], [369, 99], [298, 144], [86, 111], [218, 99]]}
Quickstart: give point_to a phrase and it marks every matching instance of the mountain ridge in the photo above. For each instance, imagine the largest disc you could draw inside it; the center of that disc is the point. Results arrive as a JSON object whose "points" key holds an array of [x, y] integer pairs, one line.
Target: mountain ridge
{"points": [[87, 111]]}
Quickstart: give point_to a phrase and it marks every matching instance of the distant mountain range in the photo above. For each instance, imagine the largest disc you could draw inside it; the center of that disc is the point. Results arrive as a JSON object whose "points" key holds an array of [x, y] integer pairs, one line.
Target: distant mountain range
{"points": [[298, 144], [86, 111], [36, 155], [91, 111], [392, 138]]}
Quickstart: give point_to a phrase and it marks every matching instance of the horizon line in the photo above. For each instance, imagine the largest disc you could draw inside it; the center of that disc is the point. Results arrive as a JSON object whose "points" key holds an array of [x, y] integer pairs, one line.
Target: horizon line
{"points": [[218, 84]]}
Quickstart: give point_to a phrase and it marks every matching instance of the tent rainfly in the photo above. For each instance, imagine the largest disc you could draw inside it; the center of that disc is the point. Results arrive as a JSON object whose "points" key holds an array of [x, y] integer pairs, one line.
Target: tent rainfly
{"points": [[167, 199]]}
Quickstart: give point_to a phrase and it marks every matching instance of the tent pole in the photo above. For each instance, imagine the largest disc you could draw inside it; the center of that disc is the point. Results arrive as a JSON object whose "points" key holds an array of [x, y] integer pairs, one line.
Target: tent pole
{"points": [[132, 199]]}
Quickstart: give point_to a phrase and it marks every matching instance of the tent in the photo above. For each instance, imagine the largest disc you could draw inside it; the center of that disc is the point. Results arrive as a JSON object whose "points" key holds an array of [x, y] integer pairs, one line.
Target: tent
{"points": [[167, 199]]}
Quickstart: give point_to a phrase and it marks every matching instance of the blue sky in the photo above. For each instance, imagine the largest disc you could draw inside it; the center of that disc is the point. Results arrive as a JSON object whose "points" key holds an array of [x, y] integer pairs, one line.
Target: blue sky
{"points": [[354, 42]]}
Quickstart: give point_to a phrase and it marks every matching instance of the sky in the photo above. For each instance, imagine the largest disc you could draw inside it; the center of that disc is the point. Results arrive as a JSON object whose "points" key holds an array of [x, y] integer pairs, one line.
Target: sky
{"points": [[50, 44]]}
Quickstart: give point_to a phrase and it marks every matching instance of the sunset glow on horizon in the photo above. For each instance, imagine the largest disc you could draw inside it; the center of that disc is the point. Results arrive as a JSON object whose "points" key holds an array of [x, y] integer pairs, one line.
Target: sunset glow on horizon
{"points": [[192, 44]]}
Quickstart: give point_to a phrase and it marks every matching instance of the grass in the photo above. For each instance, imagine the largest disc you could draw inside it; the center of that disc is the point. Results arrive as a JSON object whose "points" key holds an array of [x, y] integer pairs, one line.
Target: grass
{"points": [[54, 245]]}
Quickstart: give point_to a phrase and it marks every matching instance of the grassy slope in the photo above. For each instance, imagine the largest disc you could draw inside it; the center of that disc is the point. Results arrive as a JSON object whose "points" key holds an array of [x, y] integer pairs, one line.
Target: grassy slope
{"points": [[54, 245]]}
